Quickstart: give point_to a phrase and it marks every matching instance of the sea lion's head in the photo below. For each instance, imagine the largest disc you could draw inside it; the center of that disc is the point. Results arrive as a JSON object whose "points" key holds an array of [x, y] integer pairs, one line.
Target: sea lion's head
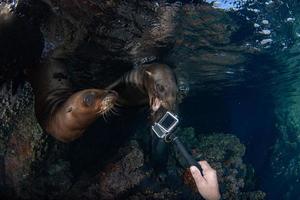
{"points": [[81, 109], [94, 101], [161, 87]]}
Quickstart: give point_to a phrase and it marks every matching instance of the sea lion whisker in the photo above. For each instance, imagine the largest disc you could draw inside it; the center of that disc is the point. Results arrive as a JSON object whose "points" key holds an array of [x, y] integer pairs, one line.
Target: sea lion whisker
{"points": [[119, 105], [115, 112], [110, 113], [99, 112], [114, 108], [104, 116]]}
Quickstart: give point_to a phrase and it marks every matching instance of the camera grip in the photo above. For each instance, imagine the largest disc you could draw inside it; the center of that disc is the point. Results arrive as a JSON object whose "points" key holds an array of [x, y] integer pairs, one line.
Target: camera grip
{"points": [[190, 160]]}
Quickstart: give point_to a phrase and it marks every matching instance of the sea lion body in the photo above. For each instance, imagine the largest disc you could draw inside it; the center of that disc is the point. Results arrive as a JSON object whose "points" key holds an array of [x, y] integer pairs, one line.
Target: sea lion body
{"points": [[155, 85], [61, 111]]}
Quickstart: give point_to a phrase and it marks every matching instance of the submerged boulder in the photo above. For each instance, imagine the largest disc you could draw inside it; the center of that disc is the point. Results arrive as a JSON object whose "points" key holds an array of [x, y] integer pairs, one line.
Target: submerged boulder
{"points": [[20, 136]]}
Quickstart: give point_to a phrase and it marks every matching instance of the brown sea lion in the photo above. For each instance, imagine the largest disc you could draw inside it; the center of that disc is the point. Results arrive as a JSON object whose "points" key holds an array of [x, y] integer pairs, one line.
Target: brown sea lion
{"points": [[62, 112], [153, 84]]}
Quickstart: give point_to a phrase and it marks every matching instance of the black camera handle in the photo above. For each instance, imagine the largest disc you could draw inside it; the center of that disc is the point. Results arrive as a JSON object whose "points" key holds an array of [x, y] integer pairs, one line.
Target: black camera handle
{"points": [[181, 148]]}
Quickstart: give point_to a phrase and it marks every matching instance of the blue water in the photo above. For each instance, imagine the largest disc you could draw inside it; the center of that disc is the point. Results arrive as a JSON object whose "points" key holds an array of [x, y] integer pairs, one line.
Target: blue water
{"points": [[253, 92]]}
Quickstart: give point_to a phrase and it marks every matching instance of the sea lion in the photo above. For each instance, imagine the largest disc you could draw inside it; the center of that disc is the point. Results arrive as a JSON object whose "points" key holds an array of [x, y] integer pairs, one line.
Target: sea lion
{"points": [[61, 111], [156, 85]]}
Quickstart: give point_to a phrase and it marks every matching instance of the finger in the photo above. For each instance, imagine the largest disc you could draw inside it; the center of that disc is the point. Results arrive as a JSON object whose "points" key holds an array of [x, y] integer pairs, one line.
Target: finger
{"points": [[197, 175], [204, 165]]}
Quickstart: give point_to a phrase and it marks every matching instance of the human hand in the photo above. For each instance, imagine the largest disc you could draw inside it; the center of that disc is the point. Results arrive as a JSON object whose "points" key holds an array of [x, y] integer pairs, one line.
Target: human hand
{"points": [[208, 183]]}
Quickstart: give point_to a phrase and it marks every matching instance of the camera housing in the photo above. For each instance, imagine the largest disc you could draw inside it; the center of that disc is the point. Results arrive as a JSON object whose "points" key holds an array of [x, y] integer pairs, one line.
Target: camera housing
{"points": [[165, 125]]}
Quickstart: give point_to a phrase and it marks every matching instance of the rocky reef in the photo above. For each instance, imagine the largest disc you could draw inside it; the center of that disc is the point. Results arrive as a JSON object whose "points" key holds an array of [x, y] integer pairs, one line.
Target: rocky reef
{"points": [[225, 154], [20, 134], [285, 160]]}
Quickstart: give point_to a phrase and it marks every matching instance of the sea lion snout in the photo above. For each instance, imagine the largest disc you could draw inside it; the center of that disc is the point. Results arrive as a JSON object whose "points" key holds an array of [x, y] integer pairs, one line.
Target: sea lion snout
{"points": [[162, 88], [108, 100], [110, 97], [92, 97]]}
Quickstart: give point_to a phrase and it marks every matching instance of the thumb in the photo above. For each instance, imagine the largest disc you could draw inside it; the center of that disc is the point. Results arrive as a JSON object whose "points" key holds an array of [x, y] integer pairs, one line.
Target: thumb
{"points": [[197, 175]]}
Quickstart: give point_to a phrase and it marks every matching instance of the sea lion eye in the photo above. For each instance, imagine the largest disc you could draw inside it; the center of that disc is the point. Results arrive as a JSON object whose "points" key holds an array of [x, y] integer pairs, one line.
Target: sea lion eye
{"points": [[89, 99]]}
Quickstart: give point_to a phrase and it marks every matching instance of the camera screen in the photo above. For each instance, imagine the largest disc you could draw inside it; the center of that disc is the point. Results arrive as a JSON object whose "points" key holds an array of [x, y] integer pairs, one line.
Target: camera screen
{"points": [[167, 122]]}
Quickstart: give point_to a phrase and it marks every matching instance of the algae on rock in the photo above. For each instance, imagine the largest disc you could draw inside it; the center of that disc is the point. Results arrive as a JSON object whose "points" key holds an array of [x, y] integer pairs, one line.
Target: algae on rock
{"points": [[224, 152]]}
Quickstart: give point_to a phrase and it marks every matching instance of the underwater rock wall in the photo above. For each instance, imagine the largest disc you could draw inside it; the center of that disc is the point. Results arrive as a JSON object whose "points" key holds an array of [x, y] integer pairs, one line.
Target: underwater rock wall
{"points": [[109, 38], [225, 154], [206, 53], [24, 156], [19, 136], [285, 161]]}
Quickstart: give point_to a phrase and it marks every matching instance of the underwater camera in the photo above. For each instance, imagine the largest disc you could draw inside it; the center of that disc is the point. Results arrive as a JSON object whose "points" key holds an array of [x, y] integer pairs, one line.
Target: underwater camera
{"points": [[165, 125], [164, 129]]}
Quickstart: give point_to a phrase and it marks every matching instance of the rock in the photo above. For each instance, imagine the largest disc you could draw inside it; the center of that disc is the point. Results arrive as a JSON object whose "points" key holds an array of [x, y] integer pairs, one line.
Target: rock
{"points": [[23, 151], [123, 175], [116, 178], [21, 43], [208, 45], [285, 153], [285, 160], [53, 183], [165, 193], [19, 137], [257, 195], [107, 39]]}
